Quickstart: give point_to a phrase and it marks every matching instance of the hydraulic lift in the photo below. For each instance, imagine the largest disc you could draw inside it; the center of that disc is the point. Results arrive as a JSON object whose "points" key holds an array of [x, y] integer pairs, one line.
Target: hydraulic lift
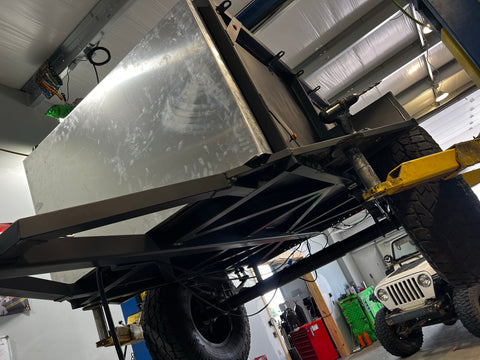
{"points": [[460, 159]]}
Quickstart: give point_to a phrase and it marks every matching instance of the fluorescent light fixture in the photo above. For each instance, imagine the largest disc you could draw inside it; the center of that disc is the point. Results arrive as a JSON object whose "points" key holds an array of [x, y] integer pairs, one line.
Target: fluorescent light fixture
{"points": [[427, 29], [441, 96]]}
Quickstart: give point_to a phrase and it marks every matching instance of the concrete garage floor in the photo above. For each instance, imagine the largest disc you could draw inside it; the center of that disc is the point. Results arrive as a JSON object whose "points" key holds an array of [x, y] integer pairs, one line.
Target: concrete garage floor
{"points": [[440, 343]]}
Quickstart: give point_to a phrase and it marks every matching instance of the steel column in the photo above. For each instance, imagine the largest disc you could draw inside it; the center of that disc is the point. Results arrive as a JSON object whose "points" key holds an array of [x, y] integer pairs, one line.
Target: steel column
{"points": [[85, 217]]}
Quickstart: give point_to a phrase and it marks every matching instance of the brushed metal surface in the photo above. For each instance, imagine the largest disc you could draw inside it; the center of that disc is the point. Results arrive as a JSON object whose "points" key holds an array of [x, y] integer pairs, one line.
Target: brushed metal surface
{"points": [[169, 112]]}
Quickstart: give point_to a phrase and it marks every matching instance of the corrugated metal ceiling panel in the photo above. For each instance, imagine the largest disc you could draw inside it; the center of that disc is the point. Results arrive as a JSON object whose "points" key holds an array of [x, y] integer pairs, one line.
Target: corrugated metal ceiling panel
{"points": [[396, 83], [363, 57], [406, 76], [31, 30], [306, 25]]}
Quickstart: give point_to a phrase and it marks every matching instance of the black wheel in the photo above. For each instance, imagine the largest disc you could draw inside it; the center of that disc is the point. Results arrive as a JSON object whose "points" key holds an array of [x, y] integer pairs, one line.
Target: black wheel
{"points": [[466, 301], [392, 340], [175, 328], [442, 217]]}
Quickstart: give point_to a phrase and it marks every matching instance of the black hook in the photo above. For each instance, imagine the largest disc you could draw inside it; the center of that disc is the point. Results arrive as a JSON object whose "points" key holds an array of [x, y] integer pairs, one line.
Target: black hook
{"points": [[276, 57], [223, 6]]}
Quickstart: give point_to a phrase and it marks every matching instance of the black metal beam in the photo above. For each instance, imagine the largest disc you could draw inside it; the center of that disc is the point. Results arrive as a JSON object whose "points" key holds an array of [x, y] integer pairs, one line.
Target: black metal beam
{"points": [[309, 197], [85, 217], [190, 235], [36, 288], [311, 263], [101, 251]]}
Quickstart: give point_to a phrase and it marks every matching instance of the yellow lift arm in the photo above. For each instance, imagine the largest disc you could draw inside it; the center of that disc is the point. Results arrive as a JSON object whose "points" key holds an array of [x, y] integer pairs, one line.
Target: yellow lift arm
{"points": [[443, 165]]}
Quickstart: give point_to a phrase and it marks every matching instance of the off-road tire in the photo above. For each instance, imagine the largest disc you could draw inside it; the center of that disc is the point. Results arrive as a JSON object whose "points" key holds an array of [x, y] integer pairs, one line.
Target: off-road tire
{"points": [[171, 334], [392, 342], [466, 301], [442, 217]]}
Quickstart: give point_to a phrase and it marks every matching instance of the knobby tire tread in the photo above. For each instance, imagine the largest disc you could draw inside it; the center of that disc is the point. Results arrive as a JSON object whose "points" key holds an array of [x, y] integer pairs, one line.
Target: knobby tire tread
{"points": [[466, 301], [442, 217], [164, 334], [392, 342]]}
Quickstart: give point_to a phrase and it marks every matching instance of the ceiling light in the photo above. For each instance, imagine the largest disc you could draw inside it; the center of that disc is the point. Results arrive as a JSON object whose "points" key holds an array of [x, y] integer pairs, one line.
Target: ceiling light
{"points": [[441, 96], [427, 29]]}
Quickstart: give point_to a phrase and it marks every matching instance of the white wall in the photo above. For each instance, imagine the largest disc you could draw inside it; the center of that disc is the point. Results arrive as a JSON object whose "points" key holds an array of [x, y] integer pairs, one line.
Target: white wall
{"points": [[54, 331], [22, 128], [50, 330], [15, 198], [262, 341]]}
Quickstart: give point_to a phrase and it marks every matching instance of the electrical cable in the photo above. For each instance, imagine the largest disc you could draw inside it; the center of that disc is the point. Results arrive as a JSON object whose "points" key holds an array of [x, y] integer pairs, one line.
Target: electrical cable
{"points": [[292, 135], [316, 275], [108, 314], [65, 98], [94, 63], [349, 226], [408, 15], [229, 312], [267, 305], [96, 74], [13, 152], [323, 245]]}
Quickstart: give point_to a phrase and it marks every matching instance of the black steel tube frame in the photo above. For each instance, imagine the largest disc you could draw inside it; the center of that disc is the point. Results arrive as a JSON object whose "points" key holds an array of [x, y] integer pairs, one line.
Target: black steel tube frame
{"points": [[40, 243], [237, 218]]}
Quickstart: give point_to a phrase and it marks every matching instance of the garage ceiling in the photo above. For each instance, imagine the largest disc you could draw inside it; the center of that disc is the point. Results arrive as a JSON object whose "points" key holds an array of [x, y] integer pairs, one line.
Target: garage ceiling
{"points": [[344, 46]]}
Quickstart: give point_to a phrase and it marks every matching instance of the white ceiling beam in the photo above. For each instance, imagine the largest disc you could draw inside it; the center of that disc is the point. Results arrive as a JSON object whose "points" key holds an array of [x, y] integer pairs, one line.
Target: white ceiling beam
{"points": [[350, 37]]}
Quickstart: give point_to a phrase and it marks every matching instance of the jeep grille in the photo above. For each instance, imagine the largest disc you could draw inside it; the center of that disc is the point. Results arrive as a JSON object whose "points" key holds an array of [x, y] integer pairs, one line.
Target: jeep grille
{"points": [[405, 291]]}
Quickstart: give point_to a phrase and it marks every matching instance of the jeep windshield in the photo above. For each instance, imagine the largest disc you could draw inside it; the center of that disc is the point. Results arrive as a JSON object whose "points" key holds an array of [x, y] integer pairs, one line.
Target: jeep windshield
{"points": [[403, 248]]}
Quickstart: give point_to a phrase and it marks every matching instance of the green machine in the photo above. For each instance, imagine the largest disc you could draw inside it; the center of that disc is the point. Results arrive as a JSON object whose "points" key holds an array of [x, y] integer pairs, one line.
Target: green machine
{"points": [[360, 312]]}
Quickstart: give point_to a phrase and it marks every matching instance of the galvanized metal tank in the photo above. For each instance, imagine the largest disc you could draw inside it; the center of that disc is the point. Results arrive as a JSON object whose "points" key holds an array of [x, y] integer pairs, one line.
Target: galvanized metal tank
{"points": [[169, 112]]}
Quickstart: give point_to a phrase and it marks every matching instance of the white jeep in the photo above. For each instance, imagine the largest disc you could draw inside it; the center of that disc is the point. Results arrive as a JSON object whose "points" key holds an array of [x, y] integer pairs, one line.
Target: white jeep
{"points": [[414, 295]]}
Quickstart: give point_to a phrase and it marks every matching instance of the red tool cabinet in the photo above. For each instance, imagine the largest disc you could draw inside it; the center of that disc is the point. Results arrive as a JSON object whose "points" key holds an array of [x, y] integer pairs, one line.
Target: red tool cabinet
{"points": [[313, 342]]}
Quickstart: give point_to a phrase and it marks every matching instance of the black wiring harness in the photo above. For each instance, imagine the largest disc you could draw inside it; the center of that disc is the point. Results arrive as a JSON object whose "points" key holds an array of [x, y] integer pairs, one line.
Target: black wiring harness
{"points": [[90, 55]]}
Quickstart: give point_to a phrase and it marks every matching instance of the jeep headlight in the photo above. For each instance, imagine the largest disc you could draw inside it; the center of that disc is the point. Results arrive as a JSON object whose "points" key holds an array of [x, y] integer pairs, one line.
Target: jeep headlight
{"points": [[424, 280], [382, 295]]}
